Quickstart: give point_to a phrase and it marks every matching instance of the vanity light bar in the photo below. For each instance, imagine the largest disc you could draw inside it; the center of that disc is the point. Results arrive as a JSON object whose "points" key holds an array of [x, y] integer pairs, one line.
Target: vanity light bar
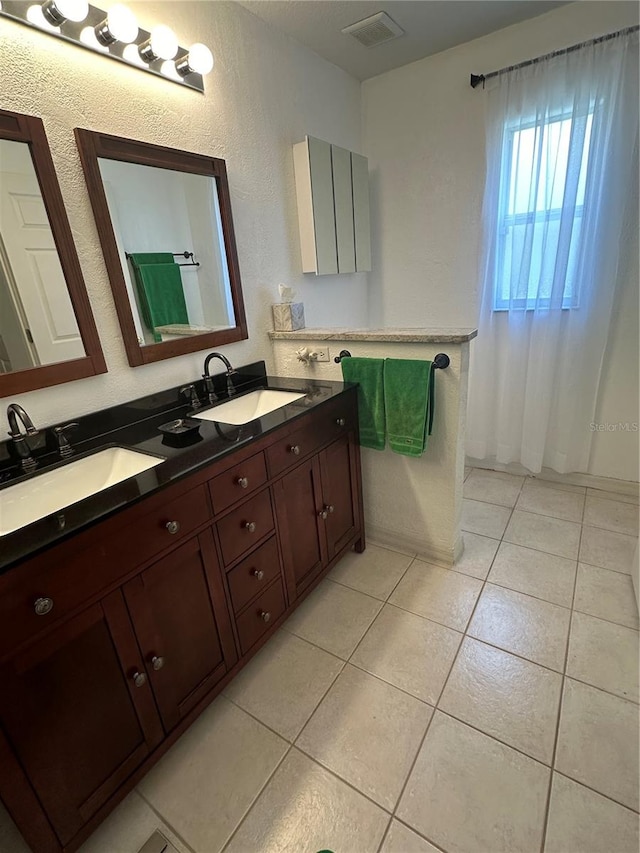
{"points": [[115, 34]]}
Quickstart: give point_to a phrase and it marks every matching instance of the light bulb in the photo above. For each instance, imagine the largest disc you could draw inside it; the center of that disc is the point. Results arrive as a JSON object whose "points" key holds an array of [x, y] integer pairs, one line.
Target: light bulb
{"points": [[198, 60], [130, 53], [119, 25], [36, 17], [59, 11], [168, 69], [163, 44], [88, 37]]}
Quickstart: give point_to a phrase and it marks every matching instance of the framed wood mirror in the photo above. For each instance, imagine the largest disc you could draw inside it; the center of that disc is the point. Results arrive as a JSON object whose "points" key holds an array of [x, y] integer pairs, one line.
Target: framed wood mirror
{"points": [[165, 225], [47, 331]]}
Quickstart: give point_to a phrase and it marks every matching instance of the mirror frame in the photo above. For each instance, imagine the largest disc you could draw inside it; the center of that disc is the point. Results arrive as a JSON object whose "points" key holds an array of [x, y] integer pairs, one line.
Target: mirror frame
{"points": [[23, 128], [93, 145]]}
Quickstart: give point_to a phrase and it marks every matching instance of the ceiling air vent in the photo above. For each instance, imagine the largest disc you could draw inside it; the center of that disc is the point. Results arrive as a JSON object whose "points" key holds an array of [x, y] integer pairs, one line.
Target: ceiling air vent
{"points": [[374, 30]]}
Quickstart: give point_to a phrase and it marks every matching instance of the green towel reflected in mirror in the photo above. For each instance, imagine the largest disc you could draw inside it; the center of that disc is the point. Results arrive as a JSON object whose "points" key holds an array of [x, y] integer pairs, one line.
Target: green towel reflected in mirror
{"points": [[160, 292]]}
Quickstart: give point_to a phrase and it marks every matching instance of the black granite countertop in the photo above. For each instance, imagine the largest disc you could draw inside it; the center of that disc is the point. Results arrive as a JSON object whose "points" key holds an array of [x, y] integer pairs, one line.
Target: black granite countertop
{"points": [[135, 425]]}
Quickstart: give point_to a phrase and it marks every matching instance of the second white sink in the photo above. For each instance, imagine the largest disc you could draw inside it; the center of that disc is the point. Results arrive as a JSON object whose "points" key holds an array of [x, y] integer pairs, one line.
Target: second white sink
{"points": [[51, 491], [242, 410]]}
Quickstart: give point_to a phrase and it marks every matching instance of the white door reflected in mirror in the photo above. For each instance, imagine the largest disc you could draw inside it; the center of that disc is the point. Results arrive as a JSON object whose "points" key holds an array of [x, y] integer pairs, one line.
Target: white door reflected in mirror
{"points": [[37, 321], [158, 215]]}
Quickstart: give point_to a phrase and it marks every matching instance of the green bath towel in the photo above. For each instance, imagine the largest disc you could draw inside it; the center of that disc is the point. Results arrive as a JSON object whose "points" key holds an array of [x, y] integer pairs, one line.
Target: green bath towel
{"points": [[368, 373], [161, 295], [140, 258], [409, 404]]}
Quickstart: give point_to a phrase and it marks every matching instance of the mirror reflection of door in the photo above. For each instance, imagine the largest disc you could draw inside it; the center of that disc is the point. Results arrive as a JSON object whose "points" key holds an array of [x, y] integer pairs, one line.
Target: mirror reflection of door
{"points": [[164, 213], [37, 320]]}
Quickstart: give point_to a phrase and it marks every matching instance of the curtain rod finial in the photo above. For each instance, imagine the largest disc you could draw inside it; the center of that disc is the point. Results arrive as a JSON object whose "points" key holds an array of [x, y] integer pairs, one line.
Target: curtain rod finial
{"points": [[476, 79]]}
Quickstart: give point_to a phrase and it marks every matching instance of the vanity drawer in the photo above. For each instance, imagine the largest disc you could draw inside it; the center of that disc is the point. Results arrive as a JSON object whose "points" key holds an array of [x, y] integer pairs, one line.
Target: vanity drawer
{"points": [[258, 618], [242, 528], [338, 417], [285, 452], [253, 574], [166, 525], [70, 574], [238, 482]]}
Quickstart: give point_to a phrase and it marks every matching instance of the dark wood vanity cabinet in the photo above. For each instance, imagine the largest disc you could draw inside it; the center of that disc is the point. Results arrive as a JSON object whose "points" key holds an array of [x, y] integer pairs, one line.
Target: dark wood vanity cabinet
{"points": [[154, 610], [182, 625], [78, 715]]}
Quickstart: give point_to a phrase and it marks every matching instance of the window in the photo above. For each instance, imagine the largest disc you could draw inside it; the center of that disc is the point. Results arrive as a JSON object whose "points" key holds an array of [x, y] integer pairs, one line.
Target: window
{"points": [[542, 196]]}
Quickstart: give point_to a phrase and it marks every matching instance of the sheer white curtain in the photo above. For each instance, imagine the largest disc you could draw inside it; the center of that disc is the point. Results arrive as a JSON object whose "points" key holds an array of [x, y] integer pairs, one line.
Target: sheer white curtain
{"points": [[562, 153]]}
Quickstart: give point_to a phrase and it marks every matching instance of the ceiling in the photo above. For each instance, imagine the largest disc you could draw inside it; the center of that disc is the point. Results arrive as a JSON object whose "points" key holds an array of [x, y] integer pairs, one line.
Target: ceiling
{"points": [[430, 26]]}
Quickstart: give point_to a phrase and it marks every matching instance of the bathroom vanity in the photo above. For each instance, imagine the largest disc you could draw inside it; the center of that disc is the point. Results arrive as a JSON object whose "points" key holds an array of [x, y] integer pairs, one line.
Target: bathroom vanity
{"points": [[150, 596]]}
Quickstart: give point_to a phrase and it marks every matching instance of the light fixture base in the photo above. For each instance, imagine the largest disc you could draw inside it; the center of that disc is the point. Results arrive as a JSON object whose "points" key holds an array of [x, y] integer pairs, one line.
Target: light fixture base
{"points": [[69, 31]]}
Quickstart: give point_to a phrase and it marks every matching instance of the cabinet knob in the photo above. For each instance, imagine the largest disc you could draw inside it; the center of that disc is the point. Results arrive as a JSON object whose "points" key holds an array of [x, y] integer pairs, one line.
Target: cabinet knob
{"points": [[243, 482], [157, 662], [258, 574], [323, 513], [173, 526], [265, 616], [42, 606], [340, 422], [295, 449], [139, 679], [329, 508], [250, 526]]}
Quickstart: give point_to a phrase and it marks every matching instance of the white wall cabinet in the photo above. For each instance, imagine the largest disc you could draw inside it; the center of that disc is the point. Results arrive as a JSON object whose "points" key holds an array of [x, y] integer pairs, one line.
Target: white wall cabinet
{"points": [[332, 190]]}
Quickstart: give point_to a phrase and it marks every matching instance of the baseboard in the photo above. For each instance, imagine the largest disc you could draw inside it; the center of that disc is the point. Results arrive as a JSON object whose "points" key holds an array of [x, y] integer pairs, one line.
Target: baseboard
{"points": [[591, 481], [411, 545]]}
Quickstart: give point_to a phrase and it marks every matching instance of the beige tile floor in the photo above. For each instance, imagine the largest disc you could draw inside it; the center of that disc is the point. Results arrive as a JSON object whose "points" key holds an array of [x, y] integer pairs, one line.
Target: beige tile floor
{"points": [[407, 708]]}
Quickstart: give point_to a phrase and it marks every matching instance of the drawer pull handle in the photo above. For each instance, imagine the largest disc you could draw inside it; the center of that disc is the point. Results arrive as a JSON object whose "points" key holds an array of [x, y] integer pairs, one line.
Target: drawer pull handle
{"points": [[139, 679], [295, 449], [323, 514], [42, 606], [250, 526], [258, 574], [265, 616], [340, 422], [243, 482], [157, 662], [173, 526]]}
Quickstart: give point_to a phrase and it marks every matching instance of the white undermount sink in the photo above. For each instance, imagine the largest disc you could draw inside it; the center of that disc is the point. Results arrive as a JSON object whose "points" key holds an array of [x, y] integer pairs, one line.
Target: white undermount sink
{"points": [[242, 410], [51, 491]]}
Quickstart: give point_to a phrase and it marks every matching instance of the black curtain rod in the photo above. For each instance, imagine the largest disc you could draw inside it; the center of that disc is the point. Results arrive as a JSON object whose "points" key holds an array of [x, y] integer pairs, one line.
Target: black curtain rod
{"points": [[476, 79]]}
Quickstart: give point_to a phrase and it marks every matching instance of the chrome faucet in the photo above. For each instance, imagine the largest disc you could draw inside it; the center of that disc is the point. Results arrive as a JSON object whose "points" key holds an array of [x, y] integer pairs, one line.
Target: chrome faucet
{"points": [[208, 380], [19, 441]]}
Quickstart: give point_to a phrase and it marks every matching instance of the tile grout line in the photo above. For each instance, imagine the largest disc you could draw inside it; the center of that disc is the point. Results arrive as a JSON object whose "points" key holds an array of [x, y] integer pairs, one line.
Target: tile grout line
{"points": [[446, 681], [547, 811], [279, 764]]}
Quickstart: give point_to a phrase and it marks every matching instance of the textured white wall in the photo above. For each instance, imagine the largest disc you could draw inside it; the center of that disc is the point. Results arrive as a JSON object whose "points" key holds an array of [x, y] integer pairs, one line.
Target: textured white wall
{"points": [[264, 94], [410, 503], [424, 135]]}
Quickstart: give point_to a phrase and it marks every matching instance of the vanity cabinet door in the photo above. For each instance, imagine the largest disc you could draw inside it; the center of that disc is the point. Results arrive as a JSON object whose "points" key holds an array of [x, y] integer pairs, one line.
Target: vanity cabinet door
{"points": [[298, 505], [78, 713], [337, 467], [180, 617]]}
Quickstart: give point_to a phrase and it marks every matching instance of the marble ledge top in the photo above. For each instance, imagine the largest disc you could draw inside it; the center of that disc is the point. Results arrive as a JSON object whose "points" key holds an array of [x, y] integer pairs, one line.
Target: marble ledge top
{"points": [[458, 335]]}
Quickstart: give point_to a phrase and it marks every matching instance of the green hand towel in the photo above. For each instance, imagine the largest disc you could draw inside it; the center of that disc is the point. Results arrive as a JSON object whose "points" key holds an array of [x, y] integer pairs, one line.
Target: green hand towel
{"points": [[368, 373], [140, 258], [409, 404], [161, 295]]}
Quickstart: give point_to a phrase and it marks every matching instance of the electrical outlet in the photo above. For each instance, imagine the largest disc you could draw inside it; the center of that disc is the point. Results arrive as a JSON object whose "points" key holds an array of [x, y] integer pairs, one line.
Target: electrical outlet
{"points": [[322, 353]]}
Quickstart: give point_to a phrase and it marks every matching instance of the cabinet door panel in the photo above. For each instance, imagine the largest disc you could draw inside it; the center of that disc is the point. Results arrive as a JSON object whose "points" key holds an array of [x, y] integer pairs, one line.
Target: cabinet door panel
{"points": [[361, 219], [343, 204], [338, 492], [175, 619], [298, 500], [73, 717]]}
